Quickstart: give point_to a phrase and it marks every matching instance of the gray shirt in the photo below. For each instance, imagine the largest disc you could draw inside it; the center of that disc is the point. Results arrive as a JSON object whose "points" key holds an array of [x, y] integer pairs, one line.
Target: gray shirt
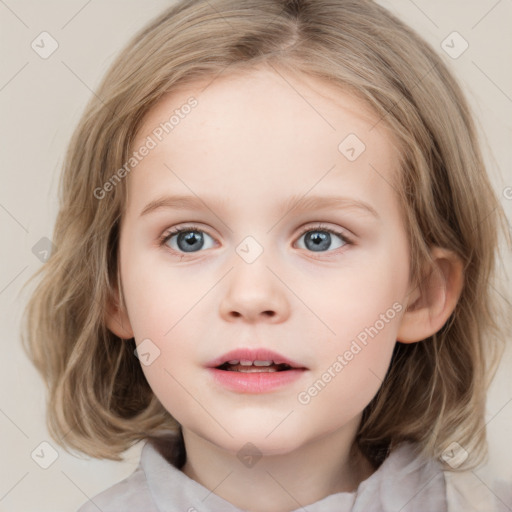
{"points": [[404, 482]]}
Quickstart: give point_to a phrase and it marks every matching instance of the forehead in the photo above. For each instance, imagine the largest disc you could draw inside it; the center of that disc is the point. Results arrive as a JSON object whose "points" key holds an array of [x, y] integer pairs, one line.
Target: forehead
{"points": [[278, 93], [264, 129]]}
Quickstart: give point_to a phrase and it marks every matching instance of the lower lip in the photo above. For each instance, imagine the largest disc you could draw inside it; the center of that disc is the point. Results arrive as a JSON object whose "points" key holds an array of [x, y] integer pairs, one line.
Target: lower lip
{"points": [[255, 382]]}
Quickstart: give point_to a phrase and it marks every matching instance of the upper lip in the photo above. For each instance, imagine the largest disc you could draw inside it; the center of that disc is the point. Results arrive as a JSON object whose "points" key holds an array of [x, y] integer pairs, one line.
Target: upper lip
{"points": [[253, 354]]}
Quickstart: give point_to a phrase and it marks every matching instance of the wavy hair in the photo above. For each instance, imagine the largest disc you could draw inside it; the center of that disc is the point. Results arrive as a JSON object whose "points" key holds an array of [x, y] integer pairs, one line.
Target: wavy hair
{"points": [[99, 401]]}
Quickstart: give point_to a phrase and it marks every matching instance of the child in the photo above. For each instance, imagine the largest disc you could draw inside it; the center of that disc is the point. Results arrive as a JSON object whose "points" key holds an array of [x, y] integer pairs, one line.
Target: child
{"points": [[329, 344]]}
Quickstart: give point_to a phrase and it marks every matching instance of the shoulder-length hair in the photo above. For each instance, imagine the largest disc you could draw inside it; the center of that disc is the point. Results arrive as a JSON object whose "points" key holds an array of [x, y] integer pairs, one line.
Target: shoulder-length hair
{"points": [[99, 401]]}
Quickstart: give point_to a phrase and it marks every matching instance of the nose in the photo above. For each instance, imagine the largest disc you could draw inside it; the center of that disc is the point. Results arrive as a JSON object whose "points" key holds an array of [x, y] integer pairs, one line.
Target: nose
{"points": [[254, 294]]}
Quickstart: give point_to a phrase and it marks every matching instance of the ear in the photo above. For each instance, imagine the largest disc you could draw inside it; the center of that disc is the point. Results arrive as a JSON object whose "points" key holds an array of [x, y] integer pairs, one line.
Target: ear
{"points": [[430, 308], [116, 317]]}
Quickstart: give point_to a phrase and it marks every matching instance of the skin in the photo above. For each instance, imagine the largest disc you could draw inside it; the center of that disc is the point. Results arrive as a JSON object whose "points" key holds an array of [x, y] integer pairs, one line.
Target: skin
{"points": [[254, 140]]}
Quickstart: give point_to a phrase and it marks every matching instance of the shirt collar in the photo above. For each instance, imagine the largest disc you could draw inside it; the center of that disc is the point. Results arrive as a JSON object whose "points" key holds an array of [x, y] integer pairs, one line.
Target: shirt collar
{"points": [[404, 481]]}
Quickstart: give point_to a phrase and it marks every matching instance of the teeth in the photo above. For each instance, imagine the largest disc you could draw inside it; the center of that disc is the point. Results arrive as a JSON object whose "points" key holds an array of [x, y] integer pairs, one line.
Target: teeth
{"points": [[257, 370], [246, 362], [257, 365]]}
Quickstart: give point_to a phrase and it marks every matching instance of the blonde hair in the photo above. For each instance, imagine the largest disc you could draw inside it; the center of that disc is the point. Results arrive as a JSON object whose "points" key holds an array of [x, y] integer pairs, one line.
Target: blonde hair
{"points": [[434, 393]]}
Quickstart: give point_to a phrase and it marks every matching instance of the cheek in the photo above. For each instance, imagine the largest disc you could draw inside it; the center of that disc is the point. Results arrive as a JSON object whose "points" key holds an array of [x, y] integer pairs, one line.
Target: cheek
{"points": [[362, 306], [159, 297], [356, 297], [163, 315], [350, 373]]}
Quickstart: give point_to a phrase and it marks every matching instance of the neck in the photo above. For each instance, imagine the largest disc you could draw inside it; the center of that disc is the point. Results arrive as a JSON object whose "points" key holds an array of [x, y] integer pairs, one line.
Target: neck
{"points": [[278, 483]]}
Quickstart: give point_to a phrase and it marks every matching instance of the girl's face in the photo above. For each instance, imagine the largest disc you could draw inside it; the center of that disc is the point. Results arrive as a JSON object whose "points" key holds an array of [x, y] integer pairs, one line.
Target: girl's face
{"points": [[323, 284]]}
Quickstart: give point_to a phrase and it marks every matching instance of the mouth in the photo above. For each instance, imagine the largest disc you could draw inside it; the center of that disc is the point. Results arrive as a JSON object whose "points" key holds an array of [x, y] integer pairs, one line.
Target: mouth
{"points": [[246, 366], [255, 371], [245, 360]]}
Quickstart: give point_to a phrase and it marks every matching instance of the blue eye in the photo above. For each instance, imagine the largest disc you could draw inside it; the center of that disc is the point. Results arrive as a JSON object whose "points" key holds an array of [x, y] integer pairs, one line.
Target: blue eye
{"points": [[190, 239], [320, 239]]}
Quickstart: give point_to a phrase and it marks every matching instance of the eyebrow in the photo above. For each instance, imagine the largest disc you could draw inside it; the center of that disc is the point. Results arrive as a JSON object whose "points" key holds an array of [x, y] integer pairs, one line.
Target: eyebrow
{"points": [[294, 203]]}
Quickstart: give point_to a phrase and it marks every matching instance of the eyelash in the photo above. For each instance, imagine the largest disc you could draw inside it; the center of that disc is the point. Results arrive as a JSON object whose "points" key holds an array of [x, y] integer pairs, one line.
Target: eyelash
{"points": [[320, 227]]}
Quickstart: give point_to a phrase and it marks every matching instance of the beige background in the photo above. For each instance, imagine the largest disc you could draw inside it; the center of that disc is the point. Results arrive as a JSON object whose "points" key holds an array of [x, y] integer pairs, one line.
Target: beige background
{"points": [[41, 101]]}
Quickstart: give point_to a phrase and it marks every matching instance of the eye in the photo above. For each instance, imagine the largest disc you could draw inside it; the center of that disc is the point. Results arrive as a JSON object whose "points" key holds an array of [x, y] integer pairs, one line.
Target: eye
{"points": [[320, 239], [190, 239], [185, 239]]}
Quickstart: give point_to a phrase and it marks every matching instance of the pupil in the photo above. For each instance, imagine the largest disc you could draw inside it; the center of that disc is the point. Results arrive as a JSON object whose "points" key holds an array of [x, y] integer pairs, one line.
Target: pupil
{"points": [[319, 239], [190, 238]]}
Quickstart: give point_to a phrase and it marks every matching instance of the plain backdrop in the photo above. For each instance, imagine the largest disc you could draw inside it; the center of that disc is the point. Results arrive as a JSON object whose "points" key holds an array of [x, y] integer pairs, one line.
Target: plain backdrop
{"points": [[41, 101]]}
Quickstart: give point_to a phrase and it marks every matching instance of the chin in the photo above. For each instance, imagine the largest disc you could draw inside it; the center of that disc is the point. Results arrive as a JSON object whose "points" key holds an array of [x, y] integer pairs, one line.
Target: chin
{"points": [[255, 437]]}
